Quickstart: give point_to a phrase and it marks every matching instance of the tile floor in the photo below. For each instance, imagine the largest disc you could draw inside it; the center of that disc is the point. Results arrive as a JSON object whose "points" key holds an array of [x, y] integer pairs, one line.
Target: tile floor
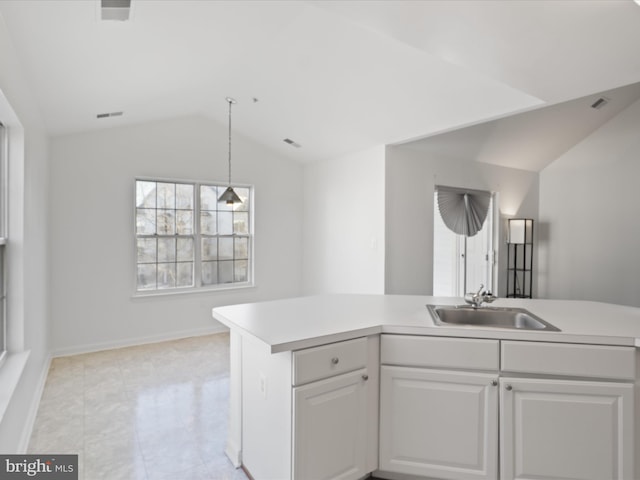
{"points": [[150, 412]]}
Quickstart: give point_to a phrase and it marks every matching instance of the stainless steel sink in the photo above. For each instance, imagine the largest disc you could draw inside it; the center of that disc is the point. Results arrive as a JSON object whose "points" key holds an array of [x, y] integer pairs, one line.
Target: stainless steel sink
{"points": [[493, 317]]}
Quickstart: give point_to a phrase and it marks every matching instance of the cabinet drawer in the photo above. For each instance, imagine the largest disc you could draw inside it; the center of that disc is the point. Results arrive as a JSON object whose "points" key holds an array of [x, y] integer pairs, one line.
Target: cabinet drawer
{"points": [[328, 360], [417, 351], [598, 361]]}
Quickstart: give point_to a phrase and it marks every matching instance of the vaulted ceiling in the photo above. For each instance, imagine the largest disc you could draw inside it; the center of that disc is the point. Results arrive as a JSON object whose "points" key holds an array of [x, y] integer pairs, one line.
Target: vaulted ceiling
{"points": [[334, 76], [533, 139]]}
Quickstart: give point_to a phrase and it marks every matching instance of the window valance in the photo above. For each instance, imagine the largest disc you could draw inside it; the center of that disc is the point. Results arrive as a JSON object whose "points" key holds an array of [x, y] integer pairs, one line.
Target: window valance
{"points": [[463, 210]]}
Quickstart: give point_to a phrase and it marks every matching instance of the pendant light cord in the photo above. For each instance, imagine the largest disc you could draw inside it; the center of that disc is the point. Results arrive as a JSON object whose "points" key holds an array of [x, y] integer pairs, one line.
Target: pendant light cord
{"points": [[229, 196], [231, 101]]}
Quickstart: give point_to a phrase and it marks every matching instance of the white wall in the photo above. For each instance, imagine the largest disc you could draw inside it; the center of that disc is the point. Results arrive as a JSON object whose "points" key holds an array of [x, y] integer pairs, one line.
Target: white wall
{"points": [[590, 207], [410, 179], [92, 247], [344, 224], [27, 250]]}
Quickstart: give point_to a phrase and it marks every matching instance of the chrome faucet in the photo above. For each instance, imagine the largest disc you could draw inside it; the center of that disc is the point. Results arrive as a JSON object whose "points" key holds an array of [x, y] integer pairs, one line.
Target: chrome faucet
{"points": [[480, 297]]}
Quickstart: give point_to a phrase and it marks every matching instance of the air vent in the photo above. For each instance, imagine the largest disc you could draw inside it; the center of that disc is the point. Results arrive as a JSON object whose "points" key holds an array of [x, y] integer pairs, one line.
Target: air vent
{"points": [[292, 143], [111, 114], [115, 10], [601, 102]]}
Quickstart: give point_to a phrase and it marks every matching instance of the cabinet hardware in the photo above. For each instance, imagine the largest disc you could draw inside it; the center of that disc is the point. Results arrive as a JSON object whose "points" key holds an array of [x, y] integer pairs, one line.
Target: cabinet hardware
{"points": [[494, 383], [335, 360], [509, 387], [365, 377]]}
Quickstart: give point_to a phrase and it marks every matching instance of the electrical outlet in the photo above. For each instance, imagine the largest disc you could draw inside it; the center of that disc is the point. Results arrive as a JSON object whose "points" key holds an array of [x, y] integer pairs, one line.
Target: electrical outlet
{"points": [[263, 385]]}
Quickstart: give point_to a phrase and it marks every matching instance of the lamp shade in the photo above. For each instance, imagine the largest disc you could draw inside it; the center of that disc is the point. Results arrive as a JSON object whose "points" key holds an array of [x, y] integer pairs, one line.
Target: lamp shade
{"points": [[520, 230]]}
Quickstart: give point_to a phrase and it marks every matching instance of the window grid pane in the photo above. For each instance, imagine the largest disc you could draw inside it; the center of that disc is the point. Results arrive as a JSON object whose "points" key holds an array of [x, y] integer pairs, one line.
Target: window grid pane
{"points": [[226, 232], [168, 245], [164, 229], [225, 260]]}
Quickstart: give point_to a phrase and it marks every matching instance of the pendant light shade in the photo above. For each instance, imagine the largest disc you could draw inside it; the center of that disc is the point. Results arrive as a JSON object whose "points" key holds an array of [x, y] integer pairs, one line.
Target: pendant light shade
{"points": [[463, 211], [229, 196]]}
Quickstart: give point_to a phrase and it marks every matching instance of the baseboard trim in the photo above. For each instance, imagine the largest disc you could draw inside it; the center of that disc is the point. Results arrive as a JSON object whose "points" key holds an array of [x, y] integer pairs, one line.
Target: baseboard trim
{"points": [[30, 421], [233, 454], [131, 342]]}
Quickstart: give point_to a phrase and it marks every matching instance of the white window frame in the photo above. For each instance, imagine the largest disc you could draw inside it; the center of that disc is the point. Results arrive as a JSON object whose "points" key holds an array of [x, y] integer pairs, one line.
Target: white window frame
{"points": [[16, 357], [197, 236], [4, 196]]}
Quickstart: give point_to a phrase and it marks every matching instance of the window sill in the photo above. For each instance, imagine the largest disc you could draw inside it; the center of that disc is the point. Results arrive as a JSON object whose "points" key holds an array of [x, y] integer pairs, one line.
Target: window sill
{"points": [[192, 291], [10, 373]]}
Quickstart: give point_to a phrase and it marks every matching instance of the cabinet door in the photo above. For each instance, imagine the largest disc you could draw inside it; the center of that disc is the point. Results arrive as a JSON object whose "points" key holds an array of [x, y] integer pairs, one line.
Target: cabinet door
{"points": [[330, 428], [553, 429], [441, 424]]}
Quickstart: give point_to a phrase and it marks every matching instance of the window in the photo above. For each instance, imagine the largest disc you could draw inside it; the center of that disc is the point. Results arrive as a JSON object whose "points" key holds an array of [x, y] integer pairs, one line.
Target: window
{"points": [[186, 239], [3, 242]]}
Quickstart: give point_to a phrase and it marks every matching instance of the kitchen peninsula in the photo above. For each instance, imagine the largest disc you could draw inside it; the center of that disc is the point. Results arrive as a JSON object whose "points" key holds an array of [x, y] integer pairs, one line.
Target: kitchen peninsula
{"points": [[339, 386]]}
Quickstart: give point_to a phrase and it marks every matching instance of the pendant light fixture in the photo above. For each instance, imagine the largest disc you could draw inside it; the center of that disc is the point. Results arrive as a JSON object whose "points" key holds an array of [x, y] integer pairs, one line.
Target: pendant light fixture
{"points": [[229, 196]]}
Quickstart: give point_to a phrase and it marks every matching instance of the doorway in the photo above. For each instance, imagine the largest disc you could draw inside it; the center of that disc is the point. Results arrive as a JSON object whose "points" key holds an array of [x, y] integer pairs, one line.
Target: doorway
{"points": [[460, 263]]}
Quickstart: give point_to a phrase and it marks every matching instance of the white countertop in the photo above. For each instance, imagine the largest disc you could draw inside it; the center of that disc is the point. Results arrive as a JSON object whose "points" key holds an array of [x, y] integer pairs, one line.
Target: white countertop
{"points": [[304, 322]]}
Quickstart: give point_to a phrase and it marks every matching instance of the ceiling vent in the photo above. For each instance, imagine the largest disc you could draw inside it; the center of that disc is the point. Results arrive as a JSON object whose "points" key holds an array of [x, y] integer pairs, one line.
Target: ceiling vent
{"points": [[115, 10], [111, 114], [292, 143], [601, 102]]}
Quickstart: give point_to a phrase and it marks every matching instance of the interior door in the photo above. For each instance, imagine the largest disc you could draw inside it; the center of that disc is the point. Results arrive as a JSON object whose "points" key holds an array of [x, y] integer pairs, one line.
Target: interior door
{"points": [[461, 264]]}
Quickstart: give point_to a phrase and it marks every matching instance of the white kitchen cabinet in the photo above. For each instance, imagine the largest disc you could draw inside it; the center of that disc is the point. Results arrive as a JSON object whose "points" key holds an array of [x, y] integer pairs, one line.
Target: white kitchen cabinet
{"points": [[434, 422], [564, 411], [553, 429], [577, 427], [330, 428], [440, 424], [310, 414]]}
